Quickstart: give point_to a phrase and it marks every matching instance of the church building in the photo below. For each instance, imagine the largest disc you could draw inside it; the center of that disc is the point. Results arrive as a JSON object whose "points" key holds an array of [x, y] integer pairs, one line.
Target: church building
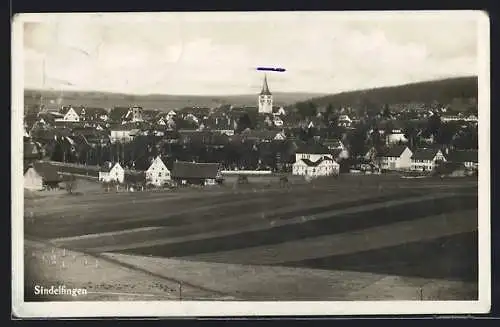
{"points": [[265, 99]]}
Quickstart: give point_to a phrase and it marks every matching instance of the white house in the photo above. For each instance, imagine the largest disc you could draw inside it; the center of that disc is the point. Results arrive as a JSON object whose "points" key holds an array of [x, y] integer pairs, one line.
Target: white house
{"points": [[312, 152], [70, 114], [113, 173], [279, 112], [157, 173], [325, 166], [344, 121], [426, 159], [33, 180], [278, 122], [395, 158], [161, 122], [395, 136], [121, 134], [448, 118], [134, 114], [171, 114]]}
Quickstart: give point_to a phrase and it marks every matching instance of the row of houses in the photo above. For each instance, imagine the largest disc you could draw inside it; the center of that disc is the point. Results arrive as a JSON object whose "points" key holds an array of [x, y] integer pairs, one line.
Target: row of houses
{"points": [[44, 175], [158, 174], [400, 157]]}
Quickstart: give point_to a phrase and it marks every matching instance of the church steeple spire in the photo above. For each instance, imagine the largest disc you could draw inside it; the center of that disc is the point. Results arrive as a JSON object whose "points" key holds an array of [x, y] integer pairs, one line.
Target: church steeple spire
{"points": [[265, 87], [265, 98]]}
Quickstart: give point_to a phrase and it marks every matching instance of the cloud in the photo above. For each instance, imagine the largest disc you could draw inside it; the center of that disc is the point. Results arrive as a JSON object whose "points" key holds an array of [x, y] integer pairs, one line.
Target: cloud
{"points": [[189, 56]]}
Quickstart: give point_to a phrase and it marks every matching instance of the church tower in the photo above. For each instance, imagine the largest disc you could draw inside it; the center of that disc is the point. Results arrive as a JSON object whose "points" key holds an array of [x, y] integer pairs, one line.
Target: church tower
{"points": [[265, 99]]}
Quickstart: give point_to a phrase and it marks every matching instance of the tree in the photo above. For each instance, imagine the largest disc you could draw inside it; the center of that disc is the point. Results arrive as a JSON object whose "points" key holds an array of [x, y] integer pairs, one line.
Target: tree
{"points": [[307, 109], [386, 112], [433, 124], [243, 122], [445, 133], [70, 184], [357, 140], [410, 133]]}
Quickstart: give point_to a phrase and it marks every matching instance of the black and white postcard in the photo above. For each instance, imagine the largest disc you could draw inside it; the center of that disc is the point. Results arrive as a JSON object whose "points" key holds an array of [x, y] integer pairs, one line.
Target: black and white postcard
{"points": [[250, 163]]}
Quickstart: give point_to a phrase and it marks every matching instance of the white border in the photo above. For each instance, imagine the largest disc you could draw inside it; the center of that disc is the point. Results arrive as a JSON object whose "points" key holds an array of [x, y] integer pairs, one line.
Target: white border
{"points": [[225, 308]]}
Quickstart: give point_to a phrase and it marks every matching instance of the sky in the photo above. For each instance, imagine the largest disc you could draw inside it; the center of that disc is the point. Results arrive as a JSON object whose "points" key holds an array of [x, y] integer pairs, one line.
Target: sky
{"points": [[218, 53]]}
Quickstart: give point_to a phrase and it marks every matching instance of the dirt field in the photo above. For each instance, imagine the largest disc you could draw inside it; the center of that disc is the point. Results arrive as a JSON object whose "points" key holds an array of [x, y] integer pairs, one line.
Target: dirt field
{"points": [[375, 228], [103, 280]]}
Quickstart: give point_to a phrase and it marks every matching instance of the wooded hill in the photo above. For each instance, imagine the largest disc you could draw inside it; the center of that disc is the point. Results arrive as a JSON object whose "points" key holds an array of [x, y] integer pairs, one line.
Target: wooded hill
{"points": [[442, 91]]}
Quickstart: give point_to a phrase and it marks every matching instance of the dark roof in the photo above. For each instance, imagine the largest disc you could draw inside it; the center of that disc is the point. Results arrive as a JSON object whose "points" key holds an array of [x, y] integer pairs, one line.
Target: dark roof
{"points": [[48, 172], [394, 151], [95, 112], [265, 87], [260, 135], [463, 156], [183, 169], [206, 137], [312, 148], [424, 154], [316, 163], [332, 142], [107, 168], [118, 113], [122, 127]]}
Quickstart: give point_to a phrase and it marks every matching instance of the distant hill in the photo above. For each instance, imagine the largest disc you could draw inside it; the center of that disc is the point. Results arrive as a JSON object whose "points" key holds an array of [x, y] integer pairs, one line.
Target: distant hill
{"points": [[443, 91], [53, 99]]}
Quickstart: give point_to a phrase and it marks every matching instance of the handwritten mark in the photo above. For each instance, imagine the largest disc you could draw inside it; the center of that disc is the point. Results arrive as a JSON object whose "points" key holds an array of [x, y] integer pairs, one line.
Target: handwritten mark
{"points": [[271, 69]]}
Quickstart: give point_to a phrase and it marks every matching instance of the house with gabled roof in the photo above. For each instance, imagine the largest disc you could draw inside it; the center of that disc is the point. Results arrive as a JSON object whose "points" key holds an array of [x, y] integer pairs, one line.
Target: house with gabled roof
{"points": [[196, 173], [113, 172], [324, 166], [122, 133], [279, 111], [397, 157], [41, 175], [394, 136], [33, 181], [344, 121], [312, 151], [158, 174], [71, 114], [426, 159]]}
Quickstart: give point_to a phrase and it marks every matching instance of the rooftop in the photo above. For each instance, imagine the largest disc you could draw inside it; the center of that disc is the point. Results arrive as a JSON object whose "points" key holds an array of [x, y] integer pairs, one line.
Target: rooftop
{"points": [[425, 154], [394, 151], [182, 169]]}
